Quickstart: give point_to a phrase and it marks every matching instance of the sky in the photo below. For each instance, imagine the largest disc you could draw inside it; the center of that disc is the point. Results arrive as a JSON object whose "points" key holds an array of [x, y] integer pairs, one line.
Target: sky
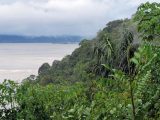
{"points": [[62, 17]]}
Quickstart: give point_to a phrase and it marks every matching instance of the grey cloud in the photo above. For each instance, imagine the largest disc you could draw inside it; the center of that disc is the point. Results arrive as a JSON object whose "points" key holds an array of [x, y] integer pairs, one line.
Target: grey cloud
{"points": [[59, 17]]}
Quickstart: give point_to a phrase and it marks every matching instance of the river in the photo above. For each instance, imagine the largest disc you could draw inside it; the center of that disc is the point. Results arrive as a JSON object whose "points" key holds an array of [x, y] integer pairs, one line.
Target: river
{"points": [[19, 60]]}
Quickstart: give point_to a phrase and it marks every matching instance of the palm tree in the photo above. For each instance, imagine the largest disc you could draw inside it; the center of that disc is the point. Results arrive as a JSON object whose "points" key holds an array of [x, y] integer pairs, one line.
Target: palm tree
{"points": [[103, 50], [125, 50]]}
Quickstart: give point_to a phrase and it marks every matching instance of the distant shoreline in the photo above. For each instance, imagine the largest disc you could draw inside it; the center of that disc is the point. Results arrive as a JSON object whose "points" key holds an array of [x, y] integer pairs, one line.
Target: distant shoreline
{"points": [[40, 39]]}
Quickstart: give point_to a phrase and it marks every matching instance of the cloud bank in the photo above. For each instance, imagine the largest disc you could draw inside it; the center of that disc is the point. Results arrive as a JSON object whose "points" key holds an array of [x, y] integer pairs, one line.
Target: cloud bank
{"points": [[62, 17]]}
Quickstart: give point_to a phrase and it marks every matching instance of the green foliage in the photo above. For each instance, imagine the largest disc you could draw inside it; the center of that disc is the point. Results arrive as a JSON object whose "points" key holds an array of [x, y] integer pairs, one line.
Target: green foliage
{"points": [[8, 108], [44, 68], [148, 16]]}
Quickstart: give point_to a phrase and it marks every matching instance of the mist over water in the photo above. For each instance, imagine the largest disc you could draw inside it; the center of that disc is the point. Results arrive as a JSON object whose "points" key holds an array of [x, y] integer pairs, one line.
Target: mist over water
{"points": [[19, 60]]}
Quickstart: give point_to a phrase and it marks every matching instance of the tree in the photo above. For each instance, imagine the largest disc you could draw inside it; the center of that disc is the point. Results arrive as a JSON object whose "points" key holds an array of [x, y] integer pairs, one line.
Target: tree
{"points": [[44, 68], [104, 52], [8, 107], [148, 17]]}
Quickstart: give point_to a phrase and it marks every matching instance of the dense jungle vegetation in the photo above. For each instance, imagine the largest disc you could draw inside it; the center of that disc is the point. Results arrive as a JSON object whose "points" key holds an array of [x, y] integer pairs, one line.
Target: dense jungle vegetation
{"points": [[115, 76]]}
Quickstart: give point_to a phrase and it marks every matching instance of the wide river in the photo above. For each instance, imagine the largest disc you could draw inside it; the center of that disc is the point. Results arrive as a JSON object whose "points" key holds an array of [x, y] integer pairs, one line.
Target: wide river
{"points": [[19, 60]]}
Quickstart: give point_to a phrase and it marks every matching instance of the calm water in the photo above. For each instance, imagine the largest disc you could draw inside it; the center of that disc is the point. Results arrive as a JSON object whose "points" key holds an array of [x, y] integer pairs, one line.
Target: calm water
{"points": [[18, 61]]}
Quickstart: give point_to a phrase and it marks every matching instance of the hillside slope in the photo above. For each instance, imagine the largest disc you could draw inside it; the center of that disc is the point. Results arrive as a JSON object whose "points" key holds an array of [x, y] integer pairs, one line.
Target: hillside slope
{"points": [[82, 63]]}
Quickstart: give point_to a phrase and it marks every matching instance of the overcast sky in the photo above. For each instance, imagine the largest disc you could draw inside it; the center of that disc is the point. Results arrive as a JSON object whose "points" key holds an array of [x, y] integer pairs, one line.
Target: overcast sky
{"points": [[62, 17]]}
